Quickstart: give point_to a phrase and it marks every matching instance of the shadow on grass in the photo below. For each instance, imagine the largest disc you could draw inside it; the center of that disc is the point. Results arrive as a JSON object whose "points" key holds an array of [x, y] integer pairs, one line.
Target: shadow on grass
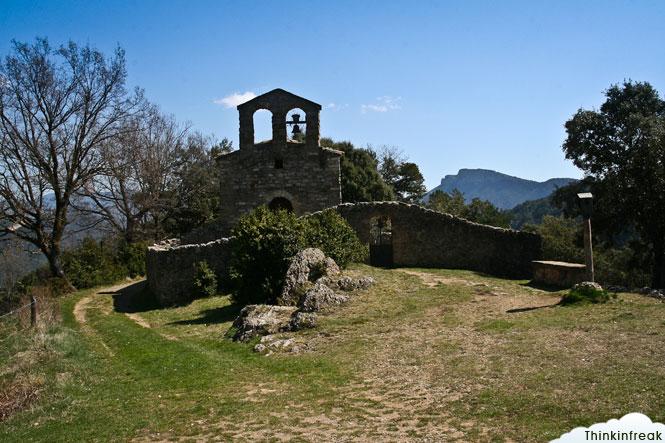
{"points": [[531, 308], [134, 298], [213, 316]]}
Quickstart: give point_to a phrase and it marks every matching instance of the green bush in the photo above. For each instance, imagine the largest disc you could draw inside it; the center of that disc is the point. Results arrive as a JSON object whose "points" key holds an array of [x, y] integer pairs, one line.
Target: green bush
{"points": [[132, 257], [263, 241], [586, 294], [205, 280], [329, 232], [91, 264], [561, 238], [621, 266]]}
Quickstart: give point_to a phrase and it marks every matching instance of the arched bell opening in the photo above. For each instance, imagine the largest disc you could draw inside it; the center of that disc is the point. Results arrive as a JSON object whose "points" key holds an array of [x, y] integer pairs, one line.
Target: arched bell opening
{"points": [[280, 204], [262, 126], [296, 125]]}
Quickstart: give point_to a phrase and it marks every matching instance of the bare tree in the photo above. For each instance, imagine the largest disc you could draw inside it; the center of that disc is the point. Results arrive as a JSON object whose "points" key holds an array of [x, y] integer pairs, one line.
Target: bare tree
{"points": [[137, 176], [57, 108]]}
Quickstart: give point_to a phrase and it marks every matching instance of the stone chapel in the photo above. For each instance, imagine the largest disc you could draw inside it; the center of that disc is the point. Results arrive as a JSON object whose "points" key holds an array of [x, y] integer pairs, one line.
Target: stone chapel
{"points": [[289, 171]]}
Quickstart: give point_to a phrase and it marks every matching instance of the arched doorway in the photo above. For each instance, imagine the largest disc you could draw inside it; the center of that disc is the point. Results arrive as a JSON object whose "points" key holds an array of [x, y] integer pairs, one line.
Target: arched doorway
{"points": [[280, 204], [381, 244]]}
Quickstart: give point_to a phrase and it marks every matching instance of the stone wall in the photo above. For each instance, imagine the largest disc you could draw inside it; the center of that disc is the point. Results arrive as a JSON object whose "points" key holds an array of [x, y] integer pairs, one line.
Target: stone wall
{"points": [[170, 268], [426, 238]]}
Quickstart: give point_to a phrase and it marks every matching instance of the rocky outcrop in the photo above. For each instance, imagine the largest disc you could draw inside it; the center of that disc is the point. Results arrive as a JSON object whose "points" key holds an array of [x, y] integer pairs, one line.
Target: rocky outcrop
{"points": [[352, 284], [261, 320], [320, 297], [313, 282], [306, 267], [257, 320], [303, 320]]}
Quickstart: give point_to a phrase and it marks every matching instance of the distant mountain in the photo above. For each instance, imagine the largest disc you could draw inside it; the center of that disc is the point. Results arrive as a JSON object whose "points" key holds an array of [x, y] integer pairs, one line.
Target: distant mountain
{"points": [[504, 191]]}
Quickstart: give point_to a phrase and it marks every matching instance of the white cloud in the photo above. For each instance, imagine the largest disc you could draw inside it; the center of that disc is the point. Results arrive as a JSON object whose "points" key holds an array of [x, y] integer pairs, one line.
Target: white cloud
{"points": [[235, 99], [336, 106], [383, 104], [627, 428]]}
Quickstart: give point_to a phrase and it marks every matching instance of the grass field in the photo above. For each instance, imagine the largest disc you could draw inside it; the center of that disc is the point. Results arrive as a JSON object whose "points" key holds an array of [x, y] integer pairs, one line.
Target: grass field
{"points": [[423, 355]]}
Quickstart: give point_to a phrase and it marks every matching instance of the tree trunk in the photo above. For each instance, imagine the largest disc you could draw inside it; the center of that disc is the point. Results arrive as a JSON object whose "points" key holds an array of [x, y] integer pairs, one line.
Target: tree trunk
{"points": [[55, 265], [130, 236], [658, 275]]}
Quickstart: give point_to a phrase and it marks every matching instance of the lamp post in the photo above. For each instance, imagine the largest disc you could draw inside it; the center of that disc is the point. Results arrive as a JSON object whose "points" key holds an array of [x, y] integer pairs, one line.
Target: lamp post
{"points": [[586, 206]]}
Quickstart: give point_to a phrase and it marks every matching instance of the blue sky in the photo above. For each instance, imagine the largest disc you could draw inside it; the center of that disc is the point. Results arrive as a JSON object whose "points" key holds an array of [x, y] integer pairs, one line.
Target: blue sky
{"points": [[455, 85]]}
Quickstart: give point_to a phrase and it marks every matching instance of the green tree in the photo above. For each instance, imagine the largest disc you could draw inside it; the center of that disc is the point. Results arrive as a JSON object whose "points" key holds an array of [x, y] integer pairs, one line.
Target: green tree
{"points": [[482, 211], [452, 203], [195, 195], [561, 238], [621, 146], [478, 211], [402, 176], [361, 180]]}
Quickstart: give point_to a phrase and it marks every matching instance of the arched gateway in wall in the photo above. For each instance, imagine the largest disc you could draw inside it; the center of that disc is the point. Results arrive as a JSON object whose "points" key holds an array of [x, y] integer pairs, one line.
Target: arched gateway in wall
{"points": [[420, 237]]}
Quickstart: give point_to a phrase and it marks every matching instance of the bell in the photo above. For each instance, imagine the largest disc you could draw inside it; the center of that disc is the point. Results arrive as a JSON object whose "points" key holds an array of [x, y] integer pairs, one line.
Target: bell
{"points": [[296, 130]]}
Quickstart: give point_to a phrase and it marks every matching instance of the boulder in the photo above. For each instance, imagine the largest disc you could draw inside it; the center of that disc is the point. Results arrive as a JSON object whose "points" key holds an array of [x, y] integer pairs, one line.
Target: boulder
{"points": [[351, 284], [320, 297], [303, 320], [256, 320], [306, 266]]}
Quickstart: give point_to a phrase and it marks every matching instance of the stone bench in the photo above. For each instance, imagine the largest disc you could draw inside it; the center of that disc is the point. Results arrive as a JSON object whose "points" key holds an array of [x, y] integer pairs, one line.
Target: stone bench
{"points": [[558, 273]]}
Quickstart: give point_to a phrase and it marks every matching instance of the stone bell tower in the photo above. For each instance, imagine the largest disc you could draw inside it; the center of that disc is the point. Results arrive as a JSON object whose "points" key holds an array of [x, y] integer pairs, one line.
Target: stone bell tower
{"points": [[283, 173]]}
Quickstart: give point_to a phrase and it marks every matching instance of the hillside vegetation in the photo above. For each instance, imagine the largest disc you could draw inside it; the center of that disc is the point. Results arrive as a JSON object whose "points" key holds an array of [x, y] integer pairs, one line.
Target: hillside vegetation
{"points": [[423, 355], [502, 190]]}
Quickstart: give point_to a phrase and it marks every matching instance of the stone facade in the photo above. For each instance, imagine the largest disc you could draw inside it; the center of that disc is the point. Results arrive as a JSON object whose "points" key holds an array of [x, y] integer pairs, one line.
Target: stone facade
{"points": [[170, 268], [303, 177], [424, 238]]}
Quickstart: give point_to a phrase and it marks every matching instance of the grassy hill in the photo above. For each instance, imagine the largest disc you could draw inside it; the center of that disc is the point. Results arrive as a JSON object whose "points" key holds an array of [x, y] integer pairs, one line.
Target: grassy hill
{"points": [[423, 355]]}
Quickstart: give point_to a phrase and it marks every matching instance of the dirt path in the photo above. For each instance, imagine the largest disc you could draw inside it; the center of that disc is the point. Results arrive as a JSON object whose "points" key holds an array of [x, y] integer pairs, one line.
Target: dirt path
{"points": [[82, 305], [87, 302], [138, 320], [433, 280]]}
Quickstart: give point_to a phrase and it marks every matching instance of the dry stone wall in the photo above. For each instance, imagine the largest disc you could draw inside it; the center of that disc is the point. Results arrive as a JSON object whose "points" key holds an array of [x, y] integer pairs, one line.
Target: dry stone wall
{"points": [[420, 238], [170, 268], [426, 238]]}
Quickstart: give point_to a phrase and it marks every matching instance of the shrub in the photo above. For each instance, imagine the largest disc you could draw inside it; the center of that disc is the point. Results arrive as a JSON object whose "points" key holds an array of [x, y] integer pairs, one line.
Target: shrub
{"points": [[263, 242], [205, 280], [561, 238], [328, 231], [586, 294], [132, 257], [91, 264]]}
